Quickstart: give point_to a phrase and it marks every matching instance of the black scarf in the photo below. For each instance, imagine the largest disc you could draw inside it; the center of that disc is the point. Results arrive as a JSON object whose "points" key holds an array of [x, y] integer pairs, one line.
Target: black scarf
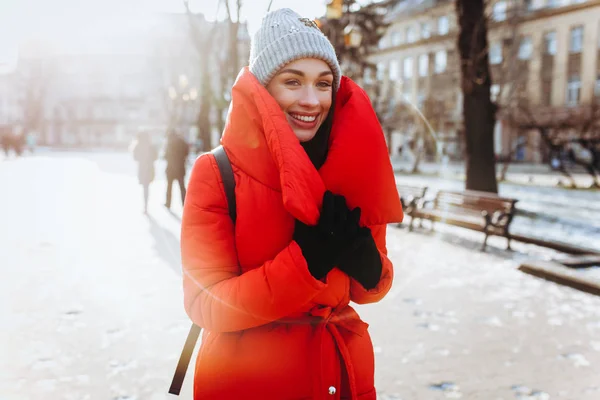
{"points": [[318, 146]]}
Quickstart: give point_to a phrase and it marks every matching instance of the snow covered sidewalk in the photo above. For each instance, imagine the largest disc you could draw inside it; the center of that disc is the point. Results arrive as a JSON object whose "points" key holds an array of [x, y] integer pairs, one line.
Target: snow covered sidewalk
{"points": [[459, 323], [91, 302]]}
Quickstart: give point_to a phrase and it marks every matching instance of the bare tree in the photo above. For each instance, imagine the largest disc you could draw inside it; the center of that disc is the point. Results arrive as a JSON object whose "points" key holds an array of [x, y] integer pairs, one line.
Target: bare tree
{"points": [[234, 28], [219, 65], [368, 19], [203, 42], [393, 114], [567, 133], [510, 76], [37, 78]]}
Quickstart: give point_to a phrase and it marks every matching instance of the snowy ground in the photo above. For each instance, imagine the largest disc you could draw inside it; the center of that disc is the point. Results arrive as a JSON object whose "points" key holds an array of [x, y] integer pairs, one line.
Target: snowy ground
{"points": [[91, 302]]}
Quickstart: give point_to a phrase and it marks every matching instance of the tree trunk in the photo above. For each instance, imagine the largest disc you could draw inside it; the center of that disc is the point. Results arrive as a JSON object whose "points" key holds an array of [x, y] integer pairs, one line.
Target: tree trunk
{"points": [[233, 49], [418, 153], [233, 38], [478, 110], [203, 121], [417, 161], [388, 134]]}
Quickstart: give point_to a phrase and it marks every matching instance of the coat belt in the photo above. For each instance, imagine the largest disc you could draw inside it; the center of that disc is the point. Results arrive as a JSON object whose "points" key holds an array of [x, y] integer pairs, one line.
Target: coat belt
{"points": [[330, 319]]}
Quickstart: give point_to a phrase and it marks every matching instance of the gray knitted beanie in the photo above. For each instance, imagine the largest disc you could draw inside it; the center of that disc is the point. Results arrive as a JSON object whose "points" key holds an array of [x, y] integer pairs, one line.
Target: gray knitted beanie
{"points": [[285, 36]]}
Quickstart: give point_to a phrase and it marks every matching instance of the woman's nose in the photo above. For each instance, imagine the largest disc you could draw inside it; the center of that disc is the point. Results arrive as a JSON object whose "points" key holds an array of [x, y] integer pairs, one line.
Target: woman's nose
{"points": [[309, 98]]}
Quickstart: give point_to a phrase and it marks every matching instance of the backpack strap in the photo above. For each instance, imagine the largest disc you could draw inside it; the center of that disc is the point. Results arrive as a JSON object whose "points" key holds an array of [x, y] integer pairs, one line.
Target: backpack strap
{"points": [[228, 179], [184, 359], [186, 354]]}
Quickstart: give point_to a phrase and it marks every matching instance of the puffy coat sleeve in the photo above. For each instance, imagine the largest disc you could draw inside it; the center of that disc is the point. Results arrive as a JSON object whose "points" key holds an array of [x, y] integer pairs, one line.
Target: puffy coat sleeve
{"points": [[217, 296], [358, 293]]}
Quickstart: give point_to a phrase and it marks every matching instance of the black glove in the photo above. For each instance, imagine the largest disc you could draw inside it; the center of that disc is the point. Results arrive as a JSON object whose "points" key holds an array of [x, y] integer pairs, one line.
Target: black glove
{"points": [[362, 260], [352, 247], [323, 244]]}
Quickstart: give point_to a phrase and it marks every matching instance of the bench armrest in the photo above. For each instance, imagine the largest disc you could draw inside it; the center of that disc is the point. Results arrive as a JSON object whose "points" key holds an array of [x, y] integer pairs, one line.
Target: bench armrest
{"points": [[498, 219], [424, 203], [501, 219]]}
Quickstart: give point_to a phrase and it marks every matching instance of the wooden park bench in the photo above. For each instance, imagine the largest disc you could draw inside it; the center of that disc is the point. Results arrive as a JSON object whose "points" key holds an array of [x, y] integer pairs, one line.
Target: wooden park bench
{"points": [[480, 211], [411, 196]]}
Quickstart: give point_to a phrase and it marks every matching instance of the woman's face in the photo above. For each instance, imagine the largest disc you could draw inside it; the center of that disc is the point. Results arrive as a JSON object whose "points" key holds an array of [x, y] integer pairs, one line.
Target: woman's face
{"points": [[303, 90]]}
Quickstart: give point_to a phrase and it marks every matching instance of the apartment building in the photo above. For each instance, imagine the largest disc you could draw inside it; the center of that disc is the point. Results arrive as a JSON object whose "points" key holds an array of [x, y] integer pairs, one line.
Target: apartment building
{"points": [[551, 47]]}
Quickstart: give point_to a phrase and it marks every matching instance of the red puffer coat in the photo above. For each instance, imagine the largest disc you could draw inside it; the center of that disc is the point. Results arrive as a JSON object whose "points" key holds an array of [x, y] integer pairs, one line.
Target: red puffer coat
{"points": [[272, 331]]}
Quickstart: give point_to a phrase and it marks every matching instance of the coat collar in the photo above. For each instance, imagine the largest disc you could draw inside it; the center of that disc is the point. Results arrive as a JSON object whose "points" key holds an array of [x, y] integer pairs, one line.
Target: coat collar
{"points": [[260, 142]]}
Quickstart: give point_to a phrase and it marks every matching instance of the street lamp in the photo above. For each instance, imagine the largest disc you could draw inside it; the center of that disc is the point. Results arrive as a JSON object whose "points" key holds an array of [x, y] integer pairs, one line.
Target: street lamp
{"points": [[353, 36], [193, 93], [334, 9], [183, 81], [172, 93]]}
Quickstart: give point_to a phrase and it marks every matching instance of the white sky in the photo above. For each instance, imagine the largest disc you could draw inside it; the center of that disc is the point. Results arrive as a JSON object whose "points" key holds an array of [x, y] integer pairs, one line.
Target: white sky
{"points": [[60, 19]]}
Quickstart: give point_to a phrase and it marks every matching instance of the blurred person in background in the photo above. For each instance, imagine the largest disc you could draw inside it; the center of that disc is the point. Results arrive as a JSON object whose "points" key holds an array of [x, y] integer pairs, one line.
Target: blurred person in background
{"points": [[314, 193], [176, 154], [5, 138], [31, 139], [145, 153], [18, 142]]}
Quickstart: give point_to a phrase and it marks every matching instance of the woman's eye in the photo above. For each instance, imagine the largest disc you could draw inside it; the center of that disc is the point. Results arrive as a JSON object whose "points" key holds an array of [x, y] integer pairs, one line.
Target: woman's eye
{"points": [[324, 84], [292, 82]]}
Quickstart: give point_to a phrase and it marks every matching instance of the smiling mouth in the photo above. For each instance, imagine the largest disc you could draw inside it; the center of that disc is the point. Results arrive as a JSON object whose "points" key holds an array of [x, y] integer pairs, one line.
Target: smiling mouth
{"points": [[304, 118]]}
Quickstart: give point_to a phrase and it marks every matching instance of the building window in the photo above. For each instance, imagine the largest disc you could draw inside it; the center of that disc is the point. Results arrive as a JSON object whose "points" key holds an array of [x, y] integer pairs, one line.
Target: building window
{"points": [[573, 90], [411, 34], [496, 53], [550, 43], [396, 38], [380, 71], [443, 25], [368, 77], [420, 99], [597, 87], [441, 61], [408, 68], [576, 39], [499, 11], [494, 92], [425, 30], [394, 70], [525, 48], [407, 91], [423, 65]]}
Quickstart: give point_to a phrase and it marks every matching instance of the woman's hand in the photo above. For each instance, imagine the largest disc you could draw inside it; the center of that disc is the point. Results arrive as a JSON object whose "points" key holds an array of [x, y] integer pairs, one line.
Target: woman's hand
{"points": [[323, 244], [357, 253], [362, 260]]}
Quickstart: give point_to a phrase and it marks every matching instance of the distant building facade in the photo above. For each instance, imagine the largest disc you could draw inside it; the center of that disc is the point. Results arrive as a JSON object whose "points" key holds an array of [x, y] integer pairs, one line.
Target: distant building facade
{"points": [[143, 78], [555, 45]]}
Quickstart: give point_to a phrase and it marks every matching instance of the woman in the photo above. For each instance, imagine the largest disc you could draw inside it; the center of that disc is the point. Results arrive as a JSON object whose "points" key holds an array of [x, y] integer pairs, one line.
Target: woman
{"points": [[145, 154], [272, 292]]}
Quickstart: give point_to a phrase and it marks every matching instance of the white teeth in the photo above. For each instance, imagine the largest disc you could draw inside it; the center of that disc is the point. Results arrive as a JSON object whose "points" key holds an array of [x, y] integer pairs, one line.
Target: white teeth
{"points": [[304, 118]]}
